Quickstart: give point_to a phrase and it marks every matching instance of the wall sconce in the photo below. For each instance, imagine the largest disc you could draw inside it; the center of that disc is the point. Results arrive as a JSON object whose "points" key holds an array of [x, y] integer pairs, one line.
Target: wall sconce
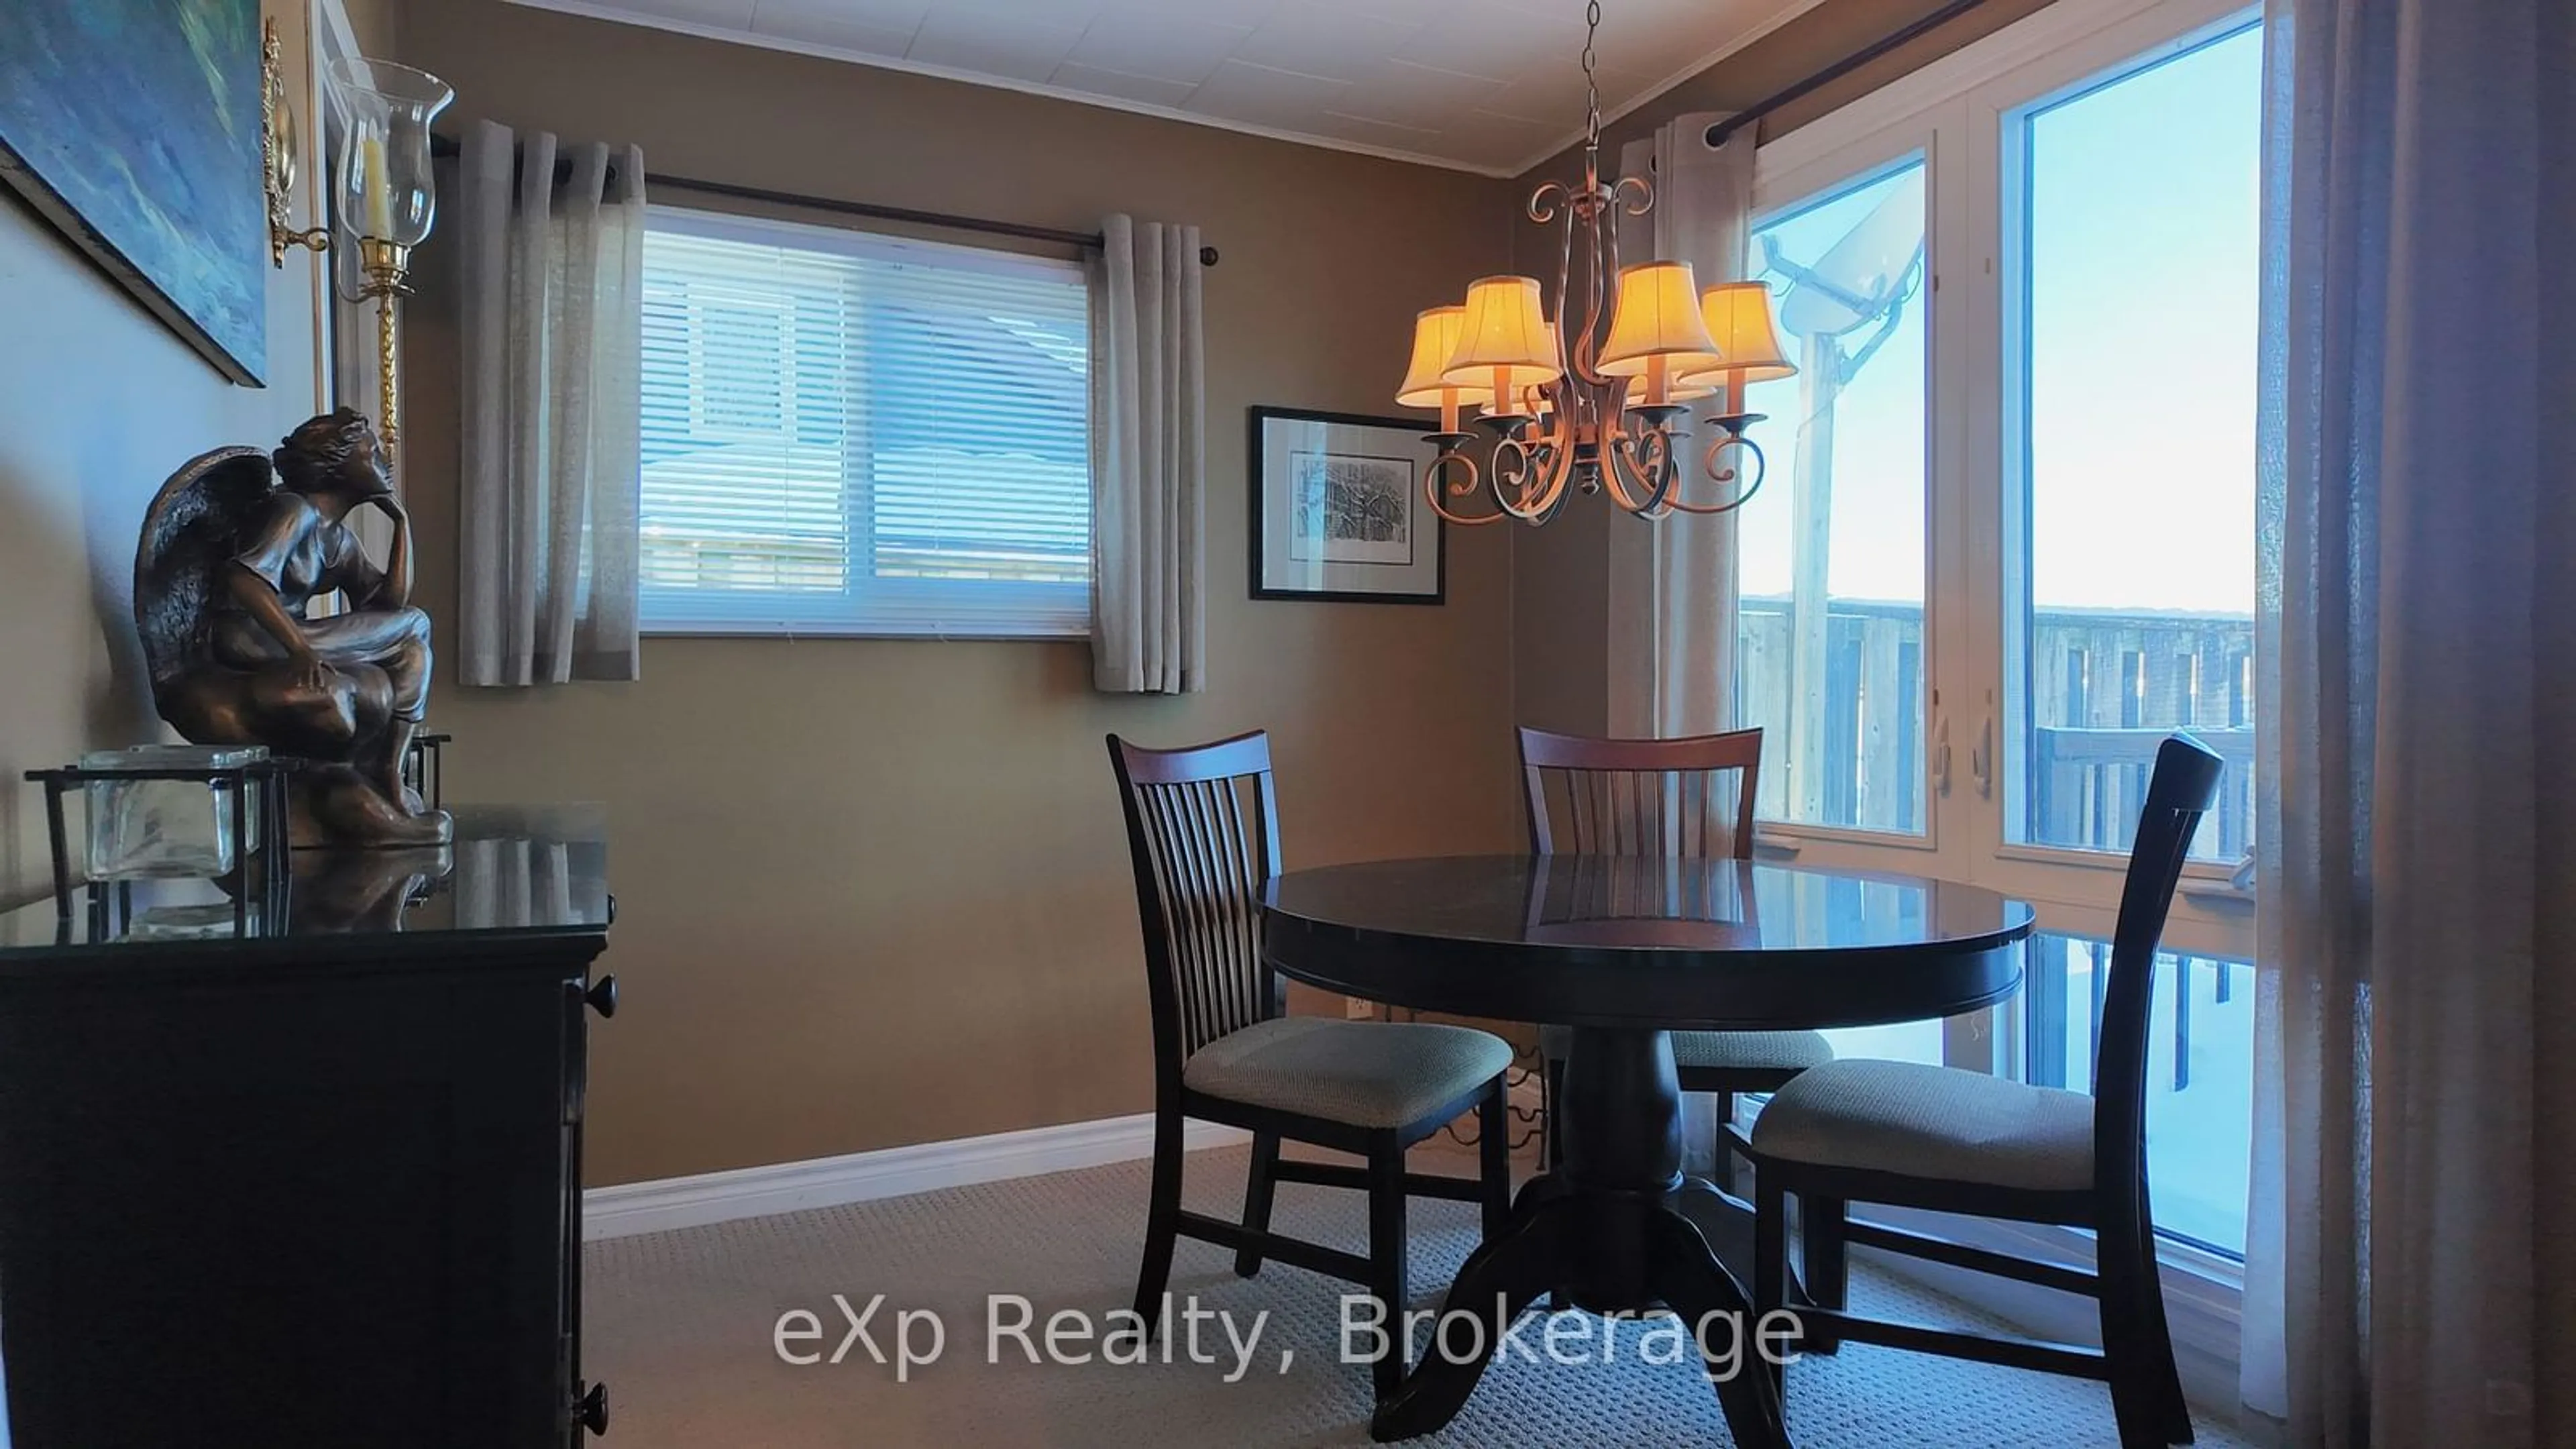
{"points": [[281, 151], [385, 196]]}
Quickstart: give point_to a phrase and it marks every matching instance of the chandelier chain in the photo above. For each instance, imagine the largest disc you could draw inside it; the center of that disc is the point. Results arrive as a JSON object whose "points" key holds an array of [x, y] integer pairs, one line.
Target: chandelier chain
{"points": [[1591, 87]]}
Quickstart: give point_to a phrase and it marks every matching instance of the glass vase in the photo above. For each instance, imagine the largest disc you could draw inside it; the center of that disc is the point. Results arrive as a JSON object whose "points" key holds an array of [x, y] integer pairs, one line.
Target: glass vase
{"points": [[146, 829]]}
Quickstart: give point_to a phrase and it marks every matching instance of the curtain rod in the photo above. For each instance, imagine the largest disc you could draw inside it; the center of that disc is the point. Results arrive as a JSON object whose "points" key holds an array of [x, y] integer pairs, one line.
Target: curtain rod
{"points": [[1087, 240], [1718, 133]]}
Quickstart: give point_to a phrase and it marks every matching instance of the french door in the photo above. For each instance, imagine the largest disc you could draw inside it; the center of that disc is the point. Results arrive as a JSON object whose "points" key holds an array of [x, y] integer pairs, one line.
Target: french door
{"points": [[2008, 540]]}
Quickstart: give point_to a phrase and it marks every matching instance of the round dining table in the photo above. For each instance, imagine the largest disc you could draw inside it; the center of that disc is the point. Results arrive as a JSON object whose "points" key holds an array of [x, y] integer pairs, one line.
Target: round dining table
{"points": [[1625, 951]]}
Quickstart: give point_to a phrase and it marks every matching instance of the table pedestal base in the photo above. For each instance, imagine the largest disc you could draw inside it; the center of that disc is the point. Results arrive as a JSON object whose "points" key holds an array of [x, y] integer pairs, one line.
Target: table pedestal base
{"points": [[1616, 1230]]}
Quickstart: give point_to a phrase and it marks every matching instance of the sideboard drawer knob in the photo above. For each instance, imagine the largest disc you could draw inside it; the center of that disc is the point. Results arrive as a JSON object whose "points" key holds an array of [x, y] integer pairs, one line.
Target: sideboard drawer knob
{"points": [[602, 996], [593, 1412]]}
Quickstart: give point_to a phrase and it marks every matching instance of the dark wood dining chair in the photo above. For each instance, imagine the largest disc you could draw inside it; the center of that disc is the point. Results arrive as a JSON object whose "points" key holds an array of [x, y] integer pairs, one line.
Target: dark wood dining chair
{"points": [[1689, 797], [1949, 1140], [1202, 829]]}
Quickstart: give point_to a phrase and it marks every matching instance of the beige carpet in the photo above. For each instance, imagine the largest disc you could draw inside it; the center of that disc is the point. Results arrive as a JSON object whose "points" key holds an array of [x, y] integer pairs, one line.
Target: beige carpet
{"points": [[680, 1326]]}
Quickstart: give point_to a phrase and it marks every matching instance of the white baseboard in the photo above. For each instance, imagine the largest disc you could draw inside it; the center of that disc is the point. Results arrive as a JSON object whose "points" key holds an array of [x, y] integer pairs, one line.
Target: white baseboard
{"points": [[752, 1192]]}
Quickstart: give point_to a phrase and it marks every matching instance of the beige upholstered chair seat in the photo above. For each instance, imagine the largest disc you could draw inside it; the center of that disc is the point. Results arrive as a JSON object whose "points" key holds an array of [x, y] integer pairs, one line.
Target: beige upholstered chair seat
{"points": [[1362, 1073], [1931, 1122], [1748, 1051]]}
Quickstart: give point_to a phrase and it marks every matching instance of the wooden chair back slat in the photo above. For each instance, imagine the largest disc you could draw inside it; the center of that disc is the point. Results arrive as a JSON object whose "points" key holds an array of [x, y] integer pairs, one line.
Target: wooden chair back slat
{"points": [[1689, 797], [1202, 840], [2183, 789]]}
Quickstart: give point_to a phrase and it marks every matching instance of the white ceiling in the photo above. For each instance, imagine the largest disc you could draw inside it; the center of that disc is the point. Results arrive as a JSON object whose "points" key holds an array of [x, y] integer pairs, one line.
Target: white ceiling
{"points": [[1483, 85]]}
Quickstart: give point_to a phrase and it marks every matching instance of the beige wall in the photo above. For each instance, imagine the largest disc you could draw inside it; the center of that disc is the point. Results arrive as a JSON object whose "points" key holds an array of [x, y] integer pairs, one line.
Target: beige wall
{"points": [[1561, 628], [872, 892], [876, 892], [98, 404]]}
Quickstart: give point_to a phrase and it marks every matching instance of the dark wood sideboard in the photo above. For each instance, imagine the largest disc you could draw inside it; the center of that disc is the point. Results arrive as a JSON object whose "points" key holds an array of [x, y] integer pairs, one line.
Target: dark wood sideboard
{"points": [[316, 1182]]}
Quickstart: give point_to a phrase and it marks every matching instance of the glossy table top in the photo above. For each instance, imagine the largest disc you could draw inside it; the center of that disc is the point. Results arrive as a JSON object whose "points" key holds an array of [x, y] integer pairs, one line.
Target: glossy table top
{"points": [[1626, 941], [512, 871]]}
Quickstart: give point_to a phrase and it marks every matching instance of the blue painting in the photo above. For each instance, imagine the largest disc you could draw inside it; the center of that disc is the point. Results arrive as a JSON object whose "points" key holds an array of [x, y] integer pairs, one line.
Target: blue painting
{"points": [[134, 125]]}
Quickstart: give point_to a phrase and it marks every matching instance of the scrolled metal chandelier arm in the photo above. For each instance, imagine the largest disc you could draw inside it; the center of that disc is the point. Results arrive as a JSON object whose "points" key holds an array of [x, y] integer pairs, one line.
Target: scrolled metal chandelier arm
{"points": [[1746, 475], [1579, 348], [1448, 458], [1550, 466], [1637, 464]]}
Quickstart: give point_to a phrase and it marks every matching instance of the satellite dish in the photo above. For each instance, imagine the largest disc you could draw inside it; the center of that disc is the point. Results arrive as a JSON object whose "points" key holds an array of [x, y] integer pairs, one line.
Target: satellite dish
{"points": [[1857, 278]]}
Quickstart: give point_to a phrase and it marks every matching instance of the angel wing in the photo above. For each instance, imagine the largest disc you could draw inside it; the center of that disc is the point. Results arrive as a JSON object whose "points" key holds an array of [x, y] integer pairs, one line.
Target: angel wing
{"points": [[197, 522]]}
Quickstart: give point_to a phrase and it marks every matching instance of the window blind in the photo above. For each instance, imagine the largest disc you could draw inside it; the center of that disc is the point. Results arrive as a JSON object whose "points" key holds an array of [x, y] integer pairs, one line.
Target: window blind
{"points": [[846, 433]]}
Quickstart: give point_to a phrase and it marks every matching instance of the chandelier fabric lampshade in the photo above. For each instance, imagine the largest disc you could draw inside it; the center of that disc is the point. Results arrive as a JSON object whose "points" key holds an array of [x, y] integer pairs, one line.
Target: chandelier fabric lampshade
{"points": [[1435, 341], [1503, 339], [1739, 320], [1657, 330]]}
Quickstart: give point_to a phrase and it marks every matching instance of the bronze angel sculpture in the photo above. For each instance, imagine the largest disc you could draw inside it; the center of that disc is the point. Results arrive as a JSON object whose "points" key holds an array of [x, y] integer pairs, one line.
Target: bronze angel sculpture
{"points": [[232, 554]]}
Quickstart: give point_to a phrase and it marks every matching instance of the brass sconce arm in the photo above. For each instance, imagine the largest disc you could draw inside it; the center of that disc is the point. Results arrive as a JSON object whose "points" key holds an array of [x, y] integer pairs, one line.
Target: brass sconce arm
{"points": [[280, 152]]}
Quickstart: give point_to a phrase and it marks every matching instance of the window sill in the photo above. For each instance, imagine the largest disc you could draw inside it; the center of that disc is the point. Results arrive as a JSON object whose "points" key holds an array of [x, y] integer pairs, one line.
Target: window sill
{"points": [[821, 631], [1786, 838], [2212, 879], [2219, 897]]}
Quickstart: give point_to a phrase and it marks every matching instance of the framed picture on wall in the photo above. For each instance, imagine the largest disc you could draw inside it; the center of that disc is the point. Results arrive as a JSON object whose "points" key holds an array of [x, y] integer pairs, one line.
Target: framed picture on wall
{"points": [[1338, 510], [134, 127]]}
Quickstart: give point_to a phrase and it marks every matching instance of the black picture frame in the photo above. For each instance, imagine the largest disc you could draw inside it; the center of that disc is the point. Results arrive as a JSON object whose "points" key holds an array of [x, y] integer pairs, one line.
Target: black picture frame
{"points": [[1410, 449]]}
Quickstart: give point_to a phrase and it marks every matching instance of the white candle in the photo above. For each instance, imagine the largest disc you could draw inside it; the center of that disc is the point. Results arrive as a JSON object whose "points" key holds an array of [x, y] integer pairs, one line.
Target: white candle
{"points": [[379, 188]]}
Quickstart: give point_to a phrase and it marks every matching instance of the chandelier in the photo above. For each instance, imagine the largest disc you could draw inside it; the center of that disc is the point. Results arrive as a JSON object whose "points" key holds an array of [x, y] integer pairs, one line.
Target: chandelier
{"points": [[1575, 408]]}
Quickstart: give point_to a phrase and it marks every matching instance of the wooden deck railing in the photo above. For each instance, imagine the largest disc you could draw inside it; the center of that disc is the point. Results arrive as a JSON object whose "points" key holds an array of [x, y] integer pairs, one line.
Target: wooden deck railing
{"points": [[1870, 770], [2049, 1028], [2105, 687]]}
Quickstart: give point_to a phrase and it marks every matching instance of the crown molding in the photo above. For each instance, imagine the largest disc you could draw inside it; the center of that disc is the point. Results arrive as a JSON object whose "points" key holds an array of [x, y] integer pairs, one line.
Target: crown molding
{"points": [[592, 11]]}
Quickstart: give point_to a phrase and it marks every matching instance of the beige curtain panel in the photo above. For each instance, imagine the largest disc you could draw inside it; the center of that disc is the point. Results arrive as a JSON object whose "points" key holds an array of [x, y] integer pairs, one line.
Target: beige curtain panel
{"points": [[553, 281], [1672, 650], [2409, 1268], [1672, 584], [1148, 462]]}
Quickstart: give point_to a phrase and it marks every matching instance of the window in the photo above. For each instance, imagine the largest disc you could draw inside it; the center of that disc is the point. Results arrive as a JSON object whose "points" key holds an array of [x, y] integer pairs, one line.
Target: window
{"points": [[854, 434], [2200, 1072], [2130, 262], [2200, 1066], [735, 342], [2006, 541], [1830, 658]]}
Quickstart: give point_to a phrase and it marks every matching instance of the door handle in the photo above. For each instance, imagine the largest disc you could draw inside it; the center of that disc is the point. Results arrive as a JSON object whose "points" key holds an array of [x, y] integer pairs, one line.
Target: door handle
{"points": [[600, 996], [591, 1410], [1981, 759], [1941, 756]]}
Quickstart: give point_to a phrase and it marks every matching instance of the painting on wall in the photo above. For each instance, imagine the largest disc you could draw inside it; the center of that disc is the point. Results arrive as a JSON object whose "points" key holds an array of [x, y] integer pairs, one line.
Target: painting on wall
{"points": [[134, 126], [1338, 510]]}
